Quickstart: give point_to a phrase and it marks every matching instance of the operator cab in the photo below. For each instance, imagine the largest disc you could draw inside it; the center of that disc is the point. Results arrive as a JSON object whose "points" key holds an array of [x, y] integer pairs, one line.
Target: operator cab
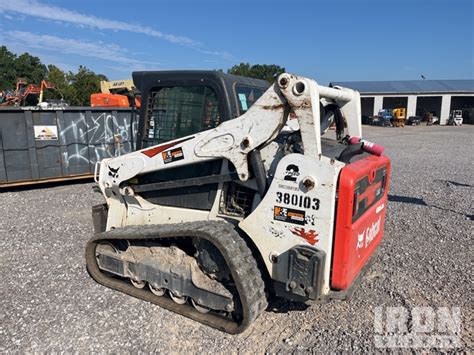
{"points": [[179, 103]]}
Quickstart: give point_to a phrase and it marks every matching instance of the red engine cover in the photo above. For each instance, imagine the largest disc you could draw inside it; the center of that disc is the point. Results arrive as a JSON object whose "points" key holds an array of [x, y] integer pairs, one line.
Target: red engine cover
{"points": [[362, 201]]}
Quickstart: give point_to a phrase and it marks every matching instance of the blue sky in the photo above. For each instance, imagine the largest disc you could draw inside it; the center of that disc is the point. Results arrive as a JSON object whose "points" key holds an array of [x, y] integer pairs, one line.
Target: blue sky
{"points": [[337, 40]]}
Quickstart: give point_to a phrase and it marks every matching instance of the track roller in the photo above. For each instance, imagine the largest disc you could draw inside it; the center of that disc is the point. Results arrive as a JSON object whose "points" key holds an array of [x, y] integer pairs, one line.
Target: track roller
{"points": [[138, 284], [156, 290], [199, 308], [178, 299]]}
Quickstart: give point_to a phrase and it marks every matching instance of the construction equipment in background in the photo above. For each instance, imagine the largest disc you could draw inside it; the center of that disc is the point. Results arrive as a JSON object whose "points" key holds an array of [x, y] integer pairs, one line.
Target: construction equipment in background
{"points": [[117, 93], [383, 118], [430, 118], [23, 92], [399, 117], [233, 197], [117, 86], [455, 118], [413, 120]]}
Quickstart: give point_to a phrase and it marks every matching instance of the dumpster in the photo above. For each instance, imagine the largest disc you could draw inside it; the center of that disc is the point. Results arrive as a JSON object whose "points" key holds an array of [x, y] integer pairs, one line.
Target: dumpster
{"points": [[40, 145]]}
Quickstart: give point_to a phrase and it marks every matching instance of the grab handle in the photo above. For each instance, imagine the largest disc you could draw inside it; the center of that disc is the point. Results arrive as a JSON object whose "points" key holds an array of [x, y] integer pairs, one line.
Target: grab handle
{"points": [[367, 146]]}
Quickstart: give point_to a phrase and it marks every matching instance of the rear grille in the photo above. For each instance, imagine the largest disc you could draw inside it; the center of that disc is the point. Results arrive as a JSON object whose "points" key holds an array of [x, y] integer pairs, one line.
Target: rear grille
{"points": [[236, 200]]}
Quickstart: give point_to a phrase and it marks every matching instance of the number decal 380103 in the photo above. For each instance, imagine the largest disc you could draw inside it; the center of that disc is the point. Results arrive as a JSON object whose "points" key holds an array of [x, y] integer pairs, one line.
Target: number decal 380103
{"points": [[298, 200]]}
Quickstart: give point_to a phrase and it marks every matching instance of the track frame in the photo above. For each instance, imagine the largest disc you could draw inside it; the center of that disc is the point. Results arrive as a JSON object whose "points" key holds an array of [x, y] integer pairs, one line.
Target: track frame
{"points": [[244, 269]]}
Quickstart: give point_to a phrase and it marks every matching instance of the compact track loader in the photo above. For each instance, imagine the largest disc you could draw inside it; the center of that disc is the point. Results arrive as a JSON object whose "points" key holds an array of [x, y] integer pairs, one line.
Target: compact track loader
{"points": [[234, 198]]}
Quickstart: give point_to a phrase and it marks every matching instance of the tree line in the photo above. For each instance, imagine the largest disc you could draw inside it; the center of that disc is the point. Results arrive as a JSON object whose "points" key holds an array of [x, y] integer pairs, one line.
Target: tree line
{"points": [[76, 87], [268, 72]]}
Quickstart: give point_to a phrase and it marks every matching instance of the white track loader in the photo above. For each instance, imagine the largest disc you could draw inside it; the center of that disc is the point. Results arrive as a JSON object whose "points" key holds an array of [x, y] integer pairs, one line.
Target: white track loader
{"points": [[233, 198]]}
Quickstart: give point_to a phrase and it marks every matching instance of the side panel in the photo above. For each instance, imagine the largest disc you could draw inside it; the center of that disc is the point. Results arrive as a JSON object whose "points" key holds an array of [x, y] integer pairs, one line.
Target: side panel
{"points": [[90, 136], [363, 190], [16, 157], [46, 143], [292, 215]]}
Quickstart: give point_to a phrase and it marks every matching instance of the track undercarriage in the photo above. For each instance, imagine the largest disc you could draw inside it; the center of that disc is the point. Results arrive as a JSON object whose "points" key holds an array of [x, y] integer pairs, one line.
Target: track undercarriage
{"points": [[185, 268]]}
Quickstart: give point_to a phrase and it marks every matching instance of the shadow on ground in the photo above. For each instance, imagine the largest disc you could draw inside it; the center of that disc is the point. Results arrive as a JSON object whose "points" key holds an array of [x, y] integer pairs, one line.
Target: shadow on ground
{"points": [[421, 202], [280, 305], [45, 185]]}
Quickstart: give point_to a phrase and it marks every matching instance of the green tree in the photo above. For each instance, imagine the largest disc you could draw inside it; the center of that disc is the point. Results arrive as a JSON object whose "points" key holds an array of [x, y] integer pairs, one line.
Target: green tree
{"points": [[75, 88], [243, 69], [25, 66], [58, 78], [30, 68], [82, 84], [7, 69], [268, 72]]}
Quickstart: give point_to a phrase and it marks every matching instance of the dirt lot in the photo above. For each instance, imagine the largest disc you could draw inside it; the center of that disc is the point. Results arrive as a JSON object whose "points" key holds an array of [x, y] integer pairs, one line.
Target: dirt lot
{"points": [[49, 303]]}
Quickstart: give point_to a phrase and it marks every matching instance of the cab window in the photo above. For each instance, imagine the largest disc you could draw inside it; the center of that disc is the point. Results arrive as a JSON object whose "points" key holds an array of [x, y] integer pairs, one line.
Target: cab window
{"points": [[246, 96], [180, 111]]}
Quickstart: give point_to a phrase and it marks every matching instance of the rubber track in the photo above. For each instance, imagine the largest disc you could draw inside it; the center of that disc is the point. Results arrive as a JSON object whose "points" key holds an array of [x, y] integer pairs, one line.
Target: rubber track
{"points": [[245, 272]]}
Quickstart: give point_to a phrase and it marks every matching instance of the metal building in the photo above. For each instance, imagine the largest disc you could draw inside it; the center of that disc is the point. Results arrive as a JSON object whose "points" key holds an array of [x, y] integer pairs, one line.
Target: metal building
{"points": [[417, 96]]}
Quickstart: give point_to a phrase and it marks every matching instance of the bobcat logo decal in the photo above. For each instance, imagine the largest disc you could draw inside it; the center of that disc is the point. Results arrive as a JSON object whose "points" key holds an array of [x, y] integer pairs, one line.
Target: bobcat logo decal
{"points": [[113, 172]]}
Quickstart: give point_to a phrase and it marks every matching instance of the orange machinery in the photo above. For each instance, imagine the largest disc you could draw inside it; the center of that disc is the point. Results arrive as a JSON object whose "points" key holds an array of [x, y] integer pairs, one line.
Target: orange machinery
{"points": [[23, 90], [117, 93]]}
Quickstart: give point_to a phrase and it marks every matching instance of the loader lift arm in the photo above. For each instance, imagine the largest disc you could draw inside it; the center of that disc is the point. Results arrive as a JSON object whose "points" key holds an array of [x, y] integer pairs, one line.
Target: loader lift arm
{"points": [[235, 139]]}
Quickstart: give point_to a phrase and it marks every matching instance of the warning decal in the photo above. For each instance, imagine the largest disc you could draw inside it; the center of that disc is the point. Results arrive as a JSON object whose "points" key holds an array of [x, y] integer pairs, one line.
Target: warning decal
{"points": [[46, 133], [172, 155], [288, 215]]}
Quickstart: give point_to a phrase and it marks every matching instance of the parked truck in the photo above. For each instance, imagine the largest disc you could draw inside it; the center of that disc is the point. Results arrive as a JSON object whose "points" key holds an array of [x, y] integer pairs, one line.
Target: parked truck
{"points": [[384, 118]]}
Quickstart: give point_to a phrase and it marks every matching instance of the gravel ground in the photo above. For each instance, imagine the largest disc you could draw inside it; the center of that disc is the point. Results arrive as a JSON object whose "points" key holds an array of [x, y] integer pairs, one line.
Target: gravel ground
{"points": [[49, 303]]}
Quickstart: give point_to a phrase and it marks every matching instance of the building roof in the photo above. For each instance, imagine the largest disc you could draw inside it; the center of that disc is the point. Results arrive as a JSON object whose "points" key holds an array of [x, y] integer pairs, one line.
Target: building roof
{"points": [[409, 86]]}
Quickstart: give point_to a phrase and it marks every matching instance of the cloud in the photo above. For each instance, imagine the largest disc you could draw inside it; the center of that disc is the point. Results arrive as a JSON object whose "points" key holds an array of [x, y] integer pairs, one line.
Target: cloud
{"points": [[224, 55], [104, 51], [57, 14]]}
